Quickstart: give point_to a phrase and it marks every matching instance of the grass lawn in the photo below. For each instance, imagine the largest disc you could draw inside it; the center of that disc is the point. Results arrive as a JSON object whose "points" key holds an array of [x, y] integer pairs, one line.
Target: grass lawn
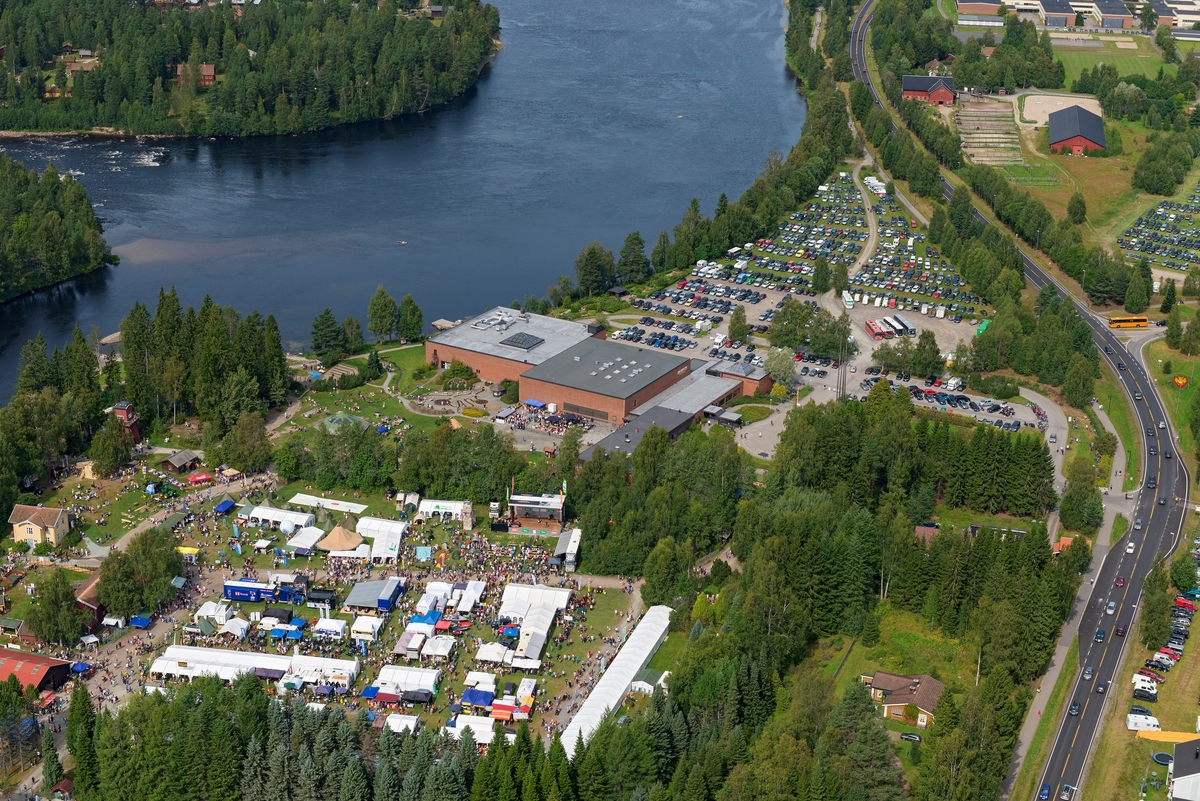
{"points": [[106, 509], [1116, 405], [20, 602], [1043, 736], [1145, 60], [1177, 401], [907, 644], [670, 652], [962, 517], [752, 414]]}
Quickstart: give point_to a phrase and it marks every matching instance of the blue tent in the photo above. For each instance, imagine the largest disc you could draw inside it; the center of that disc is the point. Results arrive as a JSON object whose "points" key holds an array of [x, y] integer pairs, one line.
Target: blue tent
{"points": [[295, 635], [431, 617], [223, 507], [140, 622], [536, 404], [424, 553], [478, 698], [381, 429], [299, 622], [278, 632], [370, 692], [80, 667], [511, 631]]}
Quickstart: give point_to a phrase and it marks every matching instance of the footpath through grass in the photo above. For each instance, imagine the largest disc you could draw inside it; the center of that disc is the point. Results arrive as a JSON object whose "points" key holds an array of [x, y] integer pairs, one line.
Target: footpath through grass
{"points": [[1115, 403], [1043, 736]]}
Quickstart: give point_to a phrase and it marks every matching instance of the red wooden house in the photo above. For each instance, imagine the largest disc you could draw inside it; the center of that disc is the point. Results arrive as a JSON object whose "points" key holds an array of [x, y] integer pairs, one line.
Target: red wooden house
{"points": [[936, 90]]}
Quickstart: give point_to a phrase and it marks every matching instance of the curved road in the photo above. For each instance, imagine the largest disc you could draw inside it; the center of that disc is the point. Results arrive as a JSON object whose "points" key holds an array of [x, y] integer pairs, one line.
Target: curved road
{"points": [[1160, 523]]}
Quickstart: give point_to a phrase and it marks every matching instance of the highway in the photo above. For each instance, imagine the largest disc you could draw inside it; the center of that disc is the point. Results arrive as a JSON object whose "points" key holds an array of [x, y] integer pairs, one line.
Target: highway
{"points": [[1160, 529]]}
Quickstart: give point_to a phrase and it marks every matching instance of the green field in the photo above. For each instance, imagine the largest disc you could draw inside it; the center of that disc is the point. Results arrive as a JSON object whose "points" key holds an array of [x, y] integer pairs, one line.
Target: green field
{"points": [[1144, 60], [1116, 406], [1031, 176]]}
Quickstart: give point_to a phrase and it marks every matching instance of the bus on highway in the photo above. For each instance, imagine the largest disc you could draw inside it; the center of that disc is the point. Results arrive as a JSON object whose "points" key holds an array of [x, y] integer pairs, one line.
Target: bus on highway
{"points": [[1128, 322], [874, 330]]}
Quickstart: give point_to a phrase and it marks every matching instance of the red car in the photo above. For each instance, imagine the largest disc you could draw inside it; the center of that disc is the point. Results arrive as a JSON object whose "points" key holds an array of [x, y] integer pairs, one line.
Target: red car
{"points": [[1152, 674], [1120, 582]]}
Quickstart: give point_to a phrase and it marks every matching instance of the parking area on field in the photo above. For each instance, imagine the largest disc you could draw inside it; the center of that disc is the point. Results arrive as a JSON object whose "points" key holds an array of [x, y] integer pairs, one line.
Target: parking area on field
{"points": [[1167, 235]]}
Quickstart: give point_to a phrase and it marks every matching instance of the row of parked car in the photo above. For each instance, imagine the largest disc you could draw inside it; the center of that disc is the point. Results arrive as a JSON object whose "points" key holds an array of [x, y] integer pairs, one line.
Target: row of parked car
{"points": [[655, 339]]}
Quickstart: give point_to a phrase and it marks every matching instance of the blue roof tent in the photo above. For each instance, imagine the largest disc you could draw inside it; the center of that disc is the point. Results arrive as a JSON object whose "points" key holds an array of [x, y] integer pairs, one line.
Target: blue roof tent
{"points": [[370, 692], [299, 622], [224, 507], [512, 631], [431, 617], [278, 632], [381, 429], [473, 697], [536, 404], [295, 634], [140, 622]]}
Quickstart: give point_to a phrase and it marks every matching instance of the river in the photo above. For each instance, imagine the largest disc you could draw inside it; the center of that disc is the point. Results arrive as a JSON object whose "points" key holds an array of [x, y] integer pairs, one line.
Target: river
{"points": [[593, 120]]}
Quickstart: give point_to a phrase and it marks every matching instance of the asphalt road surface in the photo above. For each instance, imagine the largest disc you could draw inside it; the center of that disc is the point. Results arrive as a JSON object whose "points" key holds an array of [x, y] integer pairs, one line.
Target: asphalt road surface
{"points": [[1159, 528]]}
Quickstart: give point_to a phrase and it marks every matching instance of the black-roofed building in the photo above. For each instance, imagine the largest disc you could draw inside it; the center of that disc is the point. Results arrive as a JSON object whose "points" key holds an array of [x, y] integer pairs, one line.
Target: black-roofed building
{"points": [[1076, 130], [602, 380], [626, 438], [936, 90], [1184, 771]]}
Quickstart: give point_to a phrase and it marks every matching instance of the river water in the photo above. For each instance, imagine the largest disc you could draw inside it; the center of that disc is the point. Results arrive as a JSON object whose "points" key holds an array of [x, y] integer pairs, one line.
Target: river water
{"points": [[594, 120]]}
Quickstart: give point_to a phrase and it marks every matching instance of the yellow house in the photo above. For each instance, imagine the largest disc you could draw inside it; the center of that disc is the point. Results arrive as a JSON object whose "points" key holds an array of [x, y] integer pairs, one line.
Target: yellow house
{"points": [[37, 524]]}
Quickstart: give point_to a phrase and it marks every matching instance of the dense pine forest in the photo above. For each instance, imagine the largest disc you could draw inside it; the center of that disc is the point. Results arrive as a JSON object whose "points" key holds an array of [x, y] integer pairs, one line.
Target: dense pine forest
{"points": [[278, 67], [48, 232]]}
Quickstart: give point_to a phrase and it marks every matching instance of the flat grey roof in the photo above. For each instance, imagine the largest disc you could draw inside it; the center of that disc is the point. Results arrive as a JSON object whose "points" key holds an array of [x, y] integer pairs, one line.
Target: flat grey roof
{"points": [[741, 370], [607, 368], [509, 334], [626, 438], [1060, 7], [366, 593], [691, 395]]}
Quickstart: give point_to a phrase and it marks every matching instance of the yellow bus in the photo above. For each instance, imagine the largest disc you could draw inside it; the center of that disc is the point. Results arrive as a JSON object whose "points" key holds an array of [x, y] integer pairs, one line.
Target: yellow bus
{"points": [[1128, 322]]}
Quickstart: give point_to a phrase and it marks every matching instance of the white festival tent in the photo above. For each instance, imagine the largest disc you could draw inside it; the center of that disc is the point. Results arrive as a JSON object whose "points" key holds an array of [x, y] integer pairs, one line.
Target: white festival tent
{"points": [[614, 685]]}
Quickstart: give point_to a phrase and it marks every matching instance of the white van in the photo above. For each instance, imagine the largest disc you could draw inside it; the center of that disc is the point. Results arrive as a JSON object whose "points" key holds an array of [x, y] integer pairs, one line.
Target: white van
{"points": [[1145, 683], [1142, 723]]}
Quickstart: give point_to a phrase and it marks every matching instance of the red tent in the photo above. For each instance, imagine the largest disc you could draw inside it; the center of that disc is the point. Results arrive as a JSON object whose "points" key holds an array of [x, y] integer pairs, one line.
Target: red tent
{"points": [[198, 477]]}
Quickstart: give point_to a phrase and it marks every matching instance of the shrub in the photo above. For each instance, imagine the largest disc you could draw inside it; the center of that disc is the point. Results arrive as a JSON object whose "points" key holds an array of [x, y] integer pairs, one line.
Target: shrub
{"points": [[350, 381]]}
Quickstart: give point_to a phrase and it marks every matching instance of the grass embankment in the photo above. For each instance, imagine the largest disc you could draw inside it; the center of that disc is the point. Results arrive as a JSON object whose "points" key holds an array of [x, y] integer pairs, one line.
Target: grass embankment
{"points": [[1176, 401], [1043, 736], [1115, 403]]}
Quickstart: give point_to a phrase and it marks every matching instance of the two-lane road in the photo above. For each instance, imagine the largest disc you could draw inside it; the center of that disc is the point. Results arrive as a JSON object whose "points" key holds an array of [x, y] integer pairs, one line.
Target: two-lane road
{"points": [[1160, 522]]}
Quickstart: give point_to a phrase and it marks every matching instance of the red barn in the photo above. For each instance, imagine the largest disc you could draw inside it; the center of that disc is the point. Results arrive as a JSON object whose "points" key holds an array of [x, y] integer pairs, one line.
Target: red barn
{"points": [[932, 89], [1076, 130]]}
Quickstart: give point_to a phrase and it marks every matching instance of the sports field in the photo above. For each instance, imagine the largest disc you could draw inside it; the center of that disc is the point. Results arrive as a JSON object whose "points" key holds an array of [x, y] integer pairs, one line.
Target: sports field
{"points": [[1145, 60]]}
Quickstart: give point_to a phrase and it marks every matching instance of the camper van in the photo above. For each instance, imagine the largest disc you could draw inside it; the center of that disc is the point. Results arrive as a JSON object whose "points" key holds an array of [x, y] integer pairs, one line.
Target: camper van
{"points": [[1142, 723]]}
